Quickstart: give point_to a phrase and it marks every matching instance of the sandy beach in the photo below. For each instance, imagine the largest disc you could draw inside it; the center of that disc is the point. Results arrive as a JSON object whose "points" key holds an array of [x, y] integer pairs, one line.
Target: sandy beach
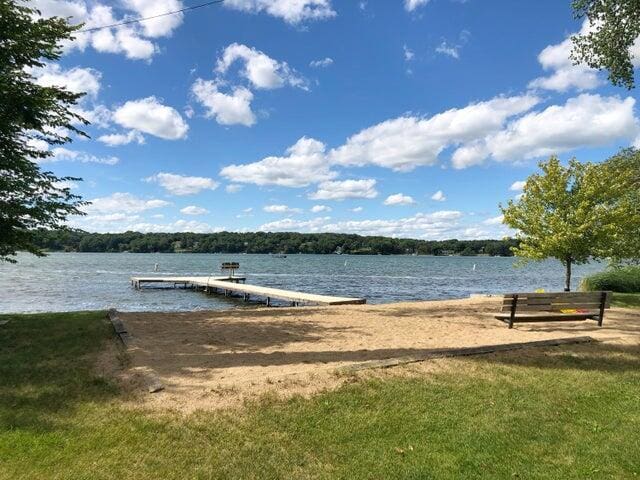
{"points": [[210, 359]]}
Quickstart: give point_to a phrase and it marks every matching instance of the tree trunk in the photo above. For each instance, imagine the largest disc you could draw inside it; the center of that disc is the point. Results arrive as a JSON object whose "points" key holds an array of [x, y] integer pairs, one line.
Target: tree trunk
{"points": [[567, 277]]}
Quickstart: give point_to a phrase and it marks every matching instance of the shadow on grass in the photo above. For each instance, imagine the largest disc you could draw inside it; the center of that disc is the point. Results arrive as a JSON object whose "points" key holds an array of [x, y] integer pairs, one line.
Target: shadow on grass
{"points": [[47, 367]]}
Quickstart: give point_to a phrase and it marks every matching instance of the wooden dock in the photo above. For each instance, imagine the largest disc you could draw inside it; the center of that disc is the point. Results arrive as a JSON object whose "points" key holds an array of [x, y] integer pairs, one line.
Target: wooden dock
{"points": [[236, 285]]}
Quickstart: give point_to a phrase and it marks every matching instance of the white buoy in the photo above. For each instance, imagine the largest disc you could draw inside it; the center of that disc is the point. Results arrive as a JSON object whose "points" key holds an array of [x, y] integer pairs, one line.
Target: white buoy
{"points": [[474, 267], [155, 267]]}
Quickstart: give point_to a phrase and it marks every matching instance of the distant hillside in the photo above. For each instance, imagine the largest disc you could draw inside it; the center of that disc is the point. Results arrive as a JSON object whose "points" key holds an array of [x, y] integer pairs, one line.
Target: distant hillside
{"points": [[263, 242]]}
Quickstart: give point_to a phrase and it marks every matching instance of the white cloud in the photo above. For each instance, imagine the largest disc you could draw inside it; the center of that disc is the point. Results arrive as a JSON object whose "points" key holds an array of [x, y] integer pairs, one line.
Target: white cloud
{"points": [[232, 108], [411, 5], [405, 143], [408, 53], [61, 154], [583, 121], [122, 203], [518, 186], [399, 199], [177, 226], [193, 210], [289, 224], [66, 184], [304, 164], [148, 115], [161, 26], [233, 188], [76, 80], [291, 11], [452, 51], [564, 74], [322, 63], [117, 139], [320, 208], [342, 189], [181, 184], [262, 71], [98, 115], [438, 196], [357, 209], [441, 224], [494, 220], [280, 209]]}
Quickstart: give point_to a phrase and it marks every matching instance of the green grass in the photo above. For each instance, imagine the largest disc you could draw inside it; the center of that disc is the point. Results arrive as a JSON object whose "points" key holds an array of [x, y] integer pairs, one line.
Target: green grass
{"points": [[573, 413], [628, 300], [623, 280]]}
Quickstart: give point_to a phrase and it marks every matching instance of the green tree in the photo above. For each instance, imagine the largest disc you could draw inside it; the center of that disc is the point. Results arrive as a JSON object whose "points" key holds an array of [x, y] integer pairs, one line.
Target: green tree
{"points": [[615, 26], [574, 214], [31, 114]]}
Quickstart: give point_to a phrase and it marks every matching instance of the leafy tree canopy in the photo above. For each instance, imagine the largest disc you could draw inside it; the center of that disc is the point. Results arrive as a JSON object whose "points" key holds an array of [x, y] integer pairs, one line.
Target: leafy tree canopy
{"points": [[579, 212], [30, 116], [614, 28]]}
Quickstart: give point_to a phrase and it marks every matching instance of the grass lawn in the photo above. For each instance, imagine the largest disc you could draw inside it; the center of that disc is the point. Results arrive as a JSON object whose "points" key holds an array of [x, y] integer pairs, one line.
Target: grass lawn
{"points": [[628, 300], [572, 414]]}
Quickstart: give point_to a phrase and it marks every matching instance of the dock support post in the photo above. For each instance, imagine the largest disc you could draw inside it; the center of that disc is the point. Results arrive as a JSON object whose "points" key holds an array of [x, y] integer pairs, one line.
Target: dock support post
{"points": [[268, 301]]}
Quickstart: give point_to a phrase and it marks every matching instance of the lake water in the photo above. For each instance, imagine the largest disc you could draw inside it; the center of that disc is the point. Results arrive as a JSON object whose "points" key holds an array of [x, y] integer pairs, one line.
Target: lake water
{"points": [[89, 281]]}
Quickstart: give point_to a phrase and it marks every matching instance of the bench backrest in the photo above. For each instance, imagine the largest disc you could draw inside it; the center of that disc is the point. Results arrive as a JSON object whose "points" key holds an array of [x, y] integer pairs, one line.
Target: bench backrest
{"points": [[556, 301]]}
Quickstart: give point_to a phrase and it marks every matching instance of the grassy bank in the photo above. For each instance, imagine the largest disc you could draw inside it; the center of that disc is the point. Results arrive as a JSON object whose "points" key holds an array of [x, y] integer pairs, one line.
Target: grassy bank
{"points": [[626, 300], [574, 413]]}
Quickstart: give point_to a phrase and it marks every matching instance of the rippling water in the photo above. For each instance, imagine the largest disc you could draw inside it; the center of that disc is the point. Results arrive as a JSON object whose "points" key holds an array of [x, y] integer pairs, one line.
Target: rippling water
{"points": [[87, 281]]}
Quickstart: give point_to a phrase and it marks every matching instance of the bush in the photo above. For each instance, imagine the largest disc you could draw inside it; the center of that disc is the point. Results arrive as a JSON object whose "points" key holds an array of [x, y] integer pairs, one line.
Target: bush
{"points": [[625, 280]]}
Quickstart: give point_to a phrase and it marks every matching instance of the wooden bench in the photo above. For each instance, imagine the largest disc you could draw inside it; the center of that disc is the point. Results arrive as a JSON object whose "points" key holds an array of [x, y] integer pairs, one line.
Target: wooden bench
{"points": [[554, 307]]}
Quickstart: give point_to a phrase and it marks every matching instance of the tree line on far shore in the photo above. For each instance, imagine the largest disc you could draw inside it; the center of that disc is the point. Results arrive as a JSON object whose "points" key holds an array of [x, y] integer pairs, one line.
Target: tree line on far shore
{"points": [[263, 242]]}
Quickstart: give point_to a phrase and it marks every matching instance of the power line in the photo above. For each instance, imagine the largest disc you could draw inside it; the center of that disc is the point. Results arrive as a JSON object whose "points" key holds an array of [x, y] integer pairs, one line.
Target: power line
{"points": [[138, 20]]}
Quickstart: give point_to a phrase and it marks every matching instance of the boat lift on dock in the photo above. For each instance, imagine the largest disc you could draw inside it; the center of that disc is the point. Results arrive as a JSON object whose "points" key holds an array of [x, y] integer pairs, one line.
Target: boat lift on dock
{"points": [[233, 284]]}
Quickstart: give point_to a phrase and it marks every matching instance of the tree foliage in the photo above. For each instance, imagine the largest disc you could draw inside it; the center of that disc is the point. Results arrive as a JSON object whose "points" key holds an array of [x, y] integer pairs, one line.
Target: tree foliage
{"points": [[577, 213], [614, 28], [31, 114], [263, 242]]}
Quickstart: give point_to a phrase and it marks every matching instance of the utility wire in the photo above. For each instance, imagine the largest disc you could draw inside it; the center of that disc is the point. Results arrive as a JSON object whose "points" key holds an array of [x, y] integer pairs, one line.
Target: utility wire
{"points": [[138, 20]]}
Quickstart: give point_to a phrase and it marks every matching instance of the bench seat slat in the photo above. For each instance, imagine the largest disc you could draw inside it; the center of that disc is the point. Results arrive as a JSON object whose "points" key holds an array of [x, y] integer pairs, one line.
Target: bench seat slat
{"points": [[547, 317], [555, 307]]}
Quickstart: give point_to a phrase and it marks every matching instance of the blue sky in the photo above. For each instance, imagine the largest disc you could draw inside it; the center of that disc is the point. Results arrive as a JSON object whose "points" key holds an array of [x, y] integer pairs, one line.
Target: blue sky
{"points": [[402, 118]]}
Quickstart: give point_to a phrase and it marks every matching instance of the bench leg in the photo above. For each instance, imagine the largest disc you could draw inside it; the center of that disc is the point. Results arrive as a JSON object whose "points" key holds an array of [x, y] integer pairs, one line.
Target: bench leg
{"points": [[513, 310], [603, 302]]}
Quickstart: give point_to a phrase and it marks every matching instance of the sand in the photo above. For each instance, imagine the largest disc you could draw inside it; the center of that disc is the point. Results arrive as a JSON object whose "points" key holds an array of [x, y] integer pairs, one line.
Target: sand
{"points": [[214, 359]]}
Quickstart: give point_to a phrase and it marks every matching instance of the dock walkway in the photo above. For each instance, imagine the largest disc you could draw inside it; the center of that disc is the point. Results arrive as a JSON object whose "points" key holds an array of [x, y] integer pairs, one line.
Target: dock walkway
{"points": [[229, 285]]}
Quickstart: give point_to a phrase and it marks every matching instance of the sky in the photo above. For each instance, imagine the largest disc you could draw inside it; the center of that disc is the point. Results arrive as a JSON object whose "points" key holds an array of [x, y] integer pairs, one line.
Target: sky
{"points": [[403, 118]]}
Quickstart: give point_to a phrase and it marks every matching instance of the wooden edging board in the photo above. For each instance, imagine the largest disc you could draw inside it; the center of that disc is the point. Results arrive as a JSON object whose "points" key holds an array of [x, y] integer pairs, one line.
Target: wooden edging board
{"points": [[459, 352], [152, 380]]}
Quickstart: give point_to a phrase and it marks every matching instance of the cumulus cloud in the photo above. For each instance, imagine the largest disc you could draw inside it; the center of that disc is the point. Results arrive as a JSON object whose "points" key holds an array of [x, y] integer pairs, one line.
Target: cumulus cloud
{"points": [[62, 154], [322, 63], [262, 71], [181, 185], [193, 210], [232, 108], [408, 53], [233, 188], [291, 11], [405, 143], [130, 40], [150, 116], [343, 189], [411, 5], [281, 209], [117, 139], [438, 196], [303, 164], [76, 80], [518, 186], [123, 203], [494, 220], [584, 121], [399, 199], [441, 224], [320, 208], [564, 74]]}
